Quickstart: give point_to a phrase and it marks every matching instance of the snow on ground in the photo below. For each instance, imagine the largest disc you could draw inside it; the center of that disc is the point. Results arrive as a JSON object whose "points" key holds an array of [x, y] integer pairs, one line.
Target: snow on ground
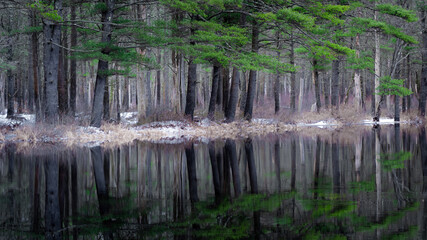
{"points": [[19, 119], [130, 118], [383, 121]]}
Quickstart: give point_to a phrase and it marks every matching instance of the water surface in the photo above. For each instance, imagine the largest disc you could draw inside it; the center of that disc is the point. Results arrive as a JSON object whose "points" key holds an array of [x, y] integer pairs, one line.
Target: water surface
{"points": [[330, 185]]}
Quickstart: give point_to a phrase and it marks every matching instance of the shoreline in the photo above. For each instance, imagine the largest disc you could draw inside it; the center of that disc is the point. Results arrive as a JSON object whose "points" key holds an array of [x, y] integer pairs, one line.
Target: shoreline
{"points": [[168, 132]]}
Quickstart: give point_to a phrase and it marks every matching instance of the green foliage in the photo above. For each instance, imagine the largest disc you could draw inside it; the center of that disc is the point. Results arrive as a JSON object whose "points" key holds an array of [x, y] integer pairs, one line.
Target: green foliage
{"points": [[389, 86], [47, 11], [364, 61], [397, 11], [367, 23]]}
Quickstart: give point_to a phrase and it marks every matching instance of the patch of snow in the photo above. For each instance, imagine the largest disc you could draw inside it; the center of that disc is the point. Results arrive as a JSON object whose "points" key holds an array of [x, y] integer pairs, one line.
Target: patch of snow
{"points": [[321, 124], [383, 121], [129, 117], [264, 121]]}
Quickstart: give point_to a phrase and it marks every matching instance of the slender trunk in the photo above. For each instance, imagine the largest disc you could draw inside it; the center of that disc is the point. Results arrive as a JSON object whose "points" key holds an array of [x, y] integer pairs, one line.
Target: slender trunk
{"points": [[158, 82], [148, 98], [190, 102], [326, 90], [377, 70], [214, 93], [10, 93], [316, 85], [225, 88], [293, 80], [252, 75], [106, 100], [125, 90], [102, 74], [35, 66], [234, 96], [73, 62], [243, 92], [117, 98], [62, 92], [301, 93]]}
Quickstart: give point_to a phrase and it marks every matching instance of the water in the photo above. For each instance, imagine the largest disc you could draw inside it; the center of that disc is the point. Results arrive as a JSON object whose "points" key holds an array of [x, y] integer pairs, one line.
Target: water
{"points": [[327, 185]]}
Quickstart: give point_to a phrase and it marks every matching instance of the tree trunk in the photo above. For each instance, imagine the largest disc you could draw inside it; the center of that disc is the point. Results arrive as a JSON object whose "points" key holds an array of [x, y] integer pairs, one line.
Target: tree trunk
{"points": [[35, 66], [335, 84], [214, 93], [293, 83], [191, 89], [117, 98], [73, 63], [148, 98], [316, 85], [377, 70], [225, 88], [252, 75], [10, 93], [62, 83], [243, 92], [234, 96], [158, 82], [102, 75], [423, 93], [106, 100], [52, 38], [326, 89], [301, 93]]}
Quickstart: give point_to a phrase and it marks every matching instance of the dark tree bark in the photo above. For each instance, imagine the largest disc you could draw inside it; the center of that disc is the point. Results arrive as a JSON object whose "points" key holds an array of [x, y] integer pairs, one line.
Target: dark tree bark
{"points": [[335, 84], [62, 84], [249, 104], [243, 92], [52, 214], [192, 178], [316, 85], [30, 80], [125, 103], [10, 91], [214, 93], [52, 36], [190, 102], [225, 88], [234, 96], [106, 101], [102, 75], [326, 89], [423, 93], [73, 63], [117, 98]]}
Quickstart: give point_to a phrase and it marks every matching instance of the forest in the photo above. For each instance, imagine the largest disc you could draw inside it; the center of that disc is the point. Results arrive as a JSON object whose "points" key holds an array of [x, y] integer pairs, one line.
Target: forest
{"points": [[221, 59]]}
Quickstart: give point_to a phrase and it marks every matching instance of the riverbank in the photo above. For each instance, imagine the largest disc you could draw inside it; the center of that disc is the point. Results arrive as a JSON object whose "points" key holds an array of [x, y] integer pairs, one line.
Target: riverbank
{"points": [[23, 130]]}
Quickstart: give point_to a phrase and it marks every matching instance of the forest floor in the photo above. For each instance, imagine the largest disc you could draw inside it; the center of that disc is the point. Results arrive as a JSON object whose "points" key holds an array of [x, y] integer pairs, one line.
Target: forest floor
{"points": [[25, 131]]}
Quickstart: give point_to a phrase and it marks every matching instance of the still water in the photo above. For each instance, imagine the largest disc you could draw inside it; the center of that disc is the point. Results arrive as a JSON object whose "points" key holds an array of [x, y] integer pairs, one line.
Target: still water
{"points": [[348, 184]]}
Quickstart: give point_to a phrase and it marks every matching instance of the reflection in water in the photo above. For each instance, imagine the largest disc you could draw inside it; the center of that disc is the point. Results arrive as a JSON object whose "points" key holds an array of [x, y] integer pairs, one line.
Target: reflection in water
{"points": [[290, 187]]}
